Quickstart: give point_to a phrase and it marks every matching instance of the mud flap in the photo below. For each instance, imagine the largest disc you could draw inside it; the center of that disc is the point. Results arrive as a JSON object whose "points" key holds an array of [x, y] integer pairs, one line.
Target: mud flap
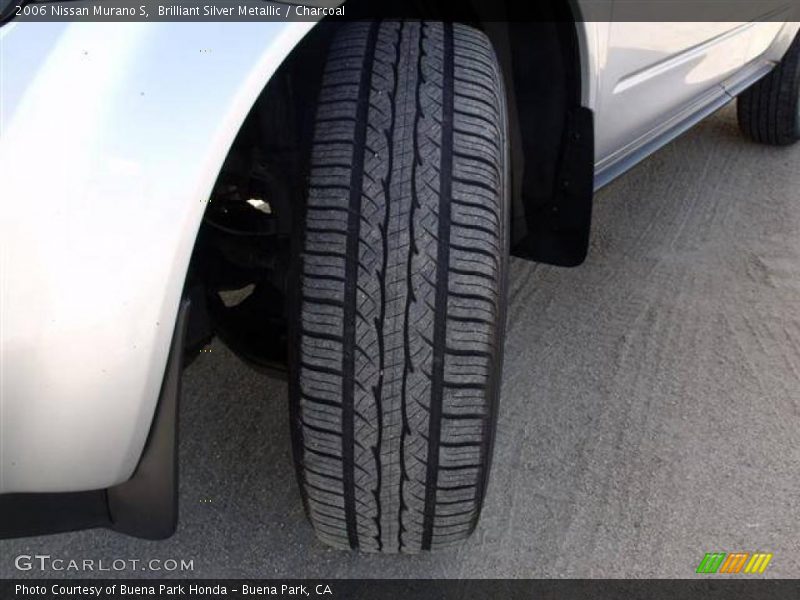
{"points": [[558, 229], [146, 505]]}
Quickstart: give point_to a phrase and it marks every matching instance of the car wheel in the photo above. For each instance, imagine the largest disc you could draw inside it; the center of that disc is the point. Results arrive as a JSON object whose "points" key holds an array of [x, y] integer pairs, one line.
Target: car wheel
{"points": [[397, 340], [769, 111]]}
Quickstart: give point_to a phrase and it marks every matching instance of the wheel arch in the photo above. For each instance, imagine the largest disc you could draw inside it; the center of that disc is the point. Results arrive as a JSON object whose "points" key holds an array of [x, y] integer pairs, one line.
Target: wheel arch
{"points": [[547, 68]]}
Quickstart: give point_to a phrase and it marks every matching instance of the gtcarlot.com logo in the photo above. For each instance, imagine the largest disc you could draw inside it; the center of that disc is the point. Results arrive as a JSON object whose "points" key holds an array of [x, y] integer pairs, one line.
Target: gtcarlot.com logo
{"points": [[46, 562]]}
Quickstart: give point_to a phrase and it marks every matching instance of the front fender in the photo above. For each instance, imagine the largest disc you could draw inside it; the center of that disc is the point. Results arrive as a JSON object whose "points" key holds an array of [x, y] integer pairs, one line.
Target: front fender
{"points": [[112, 137]]}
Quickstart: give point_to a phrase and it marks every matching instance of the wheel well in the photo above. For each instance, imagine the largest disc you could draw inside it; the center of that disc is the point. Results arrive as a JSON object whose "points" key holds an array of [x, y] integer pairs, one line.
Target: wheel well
{"points": [[239, 270]]}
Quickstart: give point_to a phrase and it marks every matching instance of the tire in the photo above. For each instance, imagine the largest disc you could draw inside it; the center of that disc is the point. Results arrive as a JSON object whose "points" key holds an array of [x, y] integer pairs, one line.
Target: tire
{"points": [[769, 111], [397, 346]]}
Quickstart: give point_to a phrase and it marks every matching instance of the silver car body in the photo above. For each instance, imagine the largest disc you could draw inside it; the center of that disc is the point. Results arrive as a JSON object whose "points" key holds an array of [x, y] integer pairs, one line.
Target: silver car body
{"points": [[112, 137]]}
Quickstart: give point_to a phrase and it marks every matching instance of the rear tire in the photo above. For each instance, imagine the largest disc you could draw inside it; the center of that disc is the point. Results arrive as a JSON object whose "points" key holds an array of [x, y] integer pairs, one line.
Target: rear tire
{"points": [[769, 111], [402, 285]]}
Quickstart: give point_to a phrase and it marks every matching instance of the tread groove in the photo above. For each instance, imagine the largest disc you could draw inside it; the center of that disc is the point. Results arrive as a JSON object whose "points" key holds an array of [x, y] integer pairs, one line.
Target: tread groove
{"points": [[348, 356], [443, 258]]}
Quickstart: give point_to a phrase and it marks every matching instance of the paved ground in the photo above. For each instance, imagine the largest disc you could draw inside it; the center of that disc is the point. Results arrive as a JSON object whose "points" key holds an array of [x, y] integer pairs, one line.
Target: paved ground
{"points": [[651, 402]]}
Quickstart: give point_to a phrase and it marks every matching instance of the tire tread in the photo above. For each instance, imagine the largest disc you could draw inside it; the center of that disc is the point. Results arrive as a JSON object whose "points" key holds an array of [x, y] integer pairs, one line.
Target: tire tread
{"points": [[402, 287]]}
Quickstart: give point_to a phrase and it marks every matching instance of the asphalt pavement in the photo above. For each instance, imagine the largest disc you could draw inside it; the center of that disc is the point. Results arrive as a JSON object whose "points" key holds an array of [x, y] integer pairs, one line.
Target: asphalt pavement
{"points": [[650, 409]]}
